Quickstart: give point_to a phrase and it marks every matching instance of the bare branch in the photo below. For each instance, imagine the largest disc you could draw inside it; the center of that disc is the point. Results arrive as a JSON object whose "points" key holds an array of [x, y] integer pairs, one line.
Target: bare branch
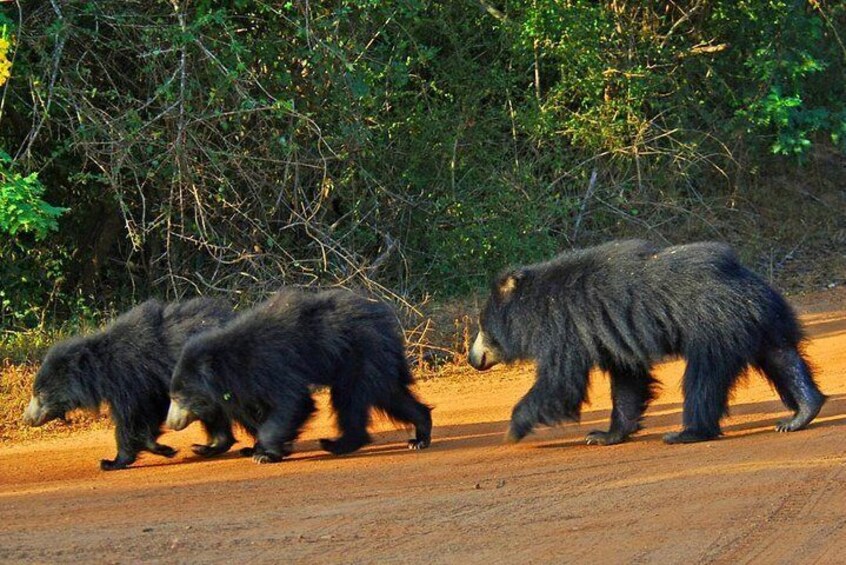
{"points": [[493, 11], [583, 208], [61, 37]]}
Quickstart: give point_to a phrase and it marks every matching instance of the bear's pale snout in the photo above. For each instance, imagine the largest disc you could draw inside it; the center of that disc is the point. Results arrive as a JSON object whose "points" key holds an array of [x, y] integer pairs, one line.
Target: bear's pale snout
{"points": [[482, 356], [178, 417], [36, 414]]}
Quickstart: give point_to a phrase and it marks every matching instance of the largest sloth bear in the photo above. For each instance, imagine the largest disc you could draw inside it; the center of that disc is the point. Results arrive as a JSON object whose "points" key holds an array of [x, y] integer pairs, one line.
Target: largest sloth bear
{"points": [[128, 365], [624, 305], [258, 369]]}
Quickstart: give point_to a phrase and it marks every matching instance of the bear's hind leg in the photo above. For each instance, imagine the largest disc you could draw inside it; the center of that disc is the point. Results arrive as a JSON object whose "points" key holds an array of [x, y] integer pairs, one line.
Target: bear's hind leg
{"points": [[275, 437], [147, 436], [631, 391], [147, 432], [790, 374], [404, 407], [353, 417], [136, 432], [160, 449], [219, 432], [706, 383], [125, 457], [127, 449]]}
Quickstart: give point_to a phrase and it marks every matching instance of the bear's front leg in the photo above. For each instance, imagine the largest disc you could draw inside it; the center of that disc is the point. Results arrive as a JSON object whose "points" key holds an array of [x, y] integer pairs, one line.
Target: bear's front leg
{"points": [[251, 451], [631, 391], [275, 455], [557, 395], [523, 420], [277, 434], [219, 432]]}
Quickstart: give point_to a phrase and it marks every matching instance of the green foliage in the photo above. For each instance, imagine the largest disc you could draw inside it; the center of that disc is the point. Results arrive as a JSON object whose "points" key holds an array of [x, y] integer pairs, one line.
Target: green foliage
{"points": [[32, 283], [596, 80], [26, 263], [791, 61], [21, 206], [412, 146], [612, 74]]}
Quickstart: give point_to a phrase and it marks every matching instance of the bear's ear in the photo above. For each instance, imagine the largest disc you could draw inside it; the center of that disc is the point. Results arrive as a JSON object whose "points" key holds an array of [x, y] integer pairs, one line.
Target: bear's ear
{"points": [[508, 283], [206, 368], [84, 361]]}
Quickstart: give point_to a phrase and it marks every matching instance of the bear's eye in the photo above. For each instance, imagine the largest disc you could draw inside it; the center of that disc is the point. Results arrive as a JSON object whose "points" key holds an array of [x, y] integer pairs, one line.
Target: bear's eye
{"points": [[492, 342]]}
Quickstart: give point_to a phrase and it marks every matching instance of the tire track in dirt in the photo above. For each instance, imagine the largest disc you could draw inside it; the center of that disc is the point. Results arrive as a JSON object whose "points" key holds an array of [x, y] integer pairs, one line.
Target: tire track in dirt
{"points": [[776, 530]]}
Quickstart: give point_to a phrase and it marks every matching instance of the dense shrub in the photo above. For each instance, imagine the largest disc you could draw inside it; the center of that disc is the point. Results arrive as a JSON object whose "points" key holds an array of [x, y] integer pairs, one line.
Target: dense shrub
{"points": [[412, 146]]}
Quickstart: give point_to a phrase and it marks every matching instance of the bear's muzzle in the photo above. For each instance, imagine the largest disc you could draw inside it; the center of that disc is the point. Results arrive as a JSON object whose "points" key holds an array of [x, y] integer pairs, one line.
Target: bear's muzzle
{"points": [[36, 414], [482, 356], [178, 417]]}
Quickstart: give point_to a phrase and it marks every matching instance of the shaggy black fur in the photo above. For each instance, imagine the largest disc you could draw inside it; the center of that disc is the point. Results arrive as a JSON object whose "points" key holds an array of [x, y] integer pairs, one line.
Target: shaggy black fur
{"points": [[258, 369], [128, 365], [623, 306]]}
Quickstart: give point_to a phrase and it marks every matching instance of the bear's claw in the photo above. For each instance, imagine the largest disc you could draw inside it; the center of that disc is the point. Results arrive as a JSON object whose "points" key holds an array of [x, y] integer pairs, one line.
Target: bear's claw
{"points": [[600, 437], [418, 444]]}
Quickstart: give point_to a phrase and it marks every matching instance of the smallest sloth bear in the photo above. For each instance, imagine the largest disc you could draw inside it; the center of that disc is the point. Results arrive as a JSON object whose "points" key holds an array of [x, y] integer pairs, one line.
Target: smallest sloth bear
{"points": [[258, 370], [623, 306], [128, 365]]}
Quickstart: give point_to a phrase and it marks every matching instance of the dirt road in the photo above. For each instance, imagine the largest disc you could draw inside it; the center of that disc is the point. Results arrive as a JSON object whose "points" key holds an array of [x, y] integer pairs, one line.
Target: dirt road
{"points": [[753, 496]]}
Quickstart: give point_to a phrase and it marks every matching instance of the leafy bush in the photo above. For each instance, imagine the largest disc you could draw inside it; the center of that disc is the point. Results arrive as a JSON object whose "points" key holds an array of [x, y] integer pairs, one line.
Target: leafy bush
{"points": [[21, 207], [412, 147]]}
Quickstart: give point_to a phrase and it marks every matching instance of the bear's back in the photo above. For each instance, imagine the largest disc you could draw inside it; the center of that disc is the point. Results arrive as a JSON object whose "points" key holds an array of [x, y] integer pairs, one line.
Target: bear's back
{"points": [[139, 329], [638, 263], [183, 320], [611, 264], [132, 350], [336, 309]]}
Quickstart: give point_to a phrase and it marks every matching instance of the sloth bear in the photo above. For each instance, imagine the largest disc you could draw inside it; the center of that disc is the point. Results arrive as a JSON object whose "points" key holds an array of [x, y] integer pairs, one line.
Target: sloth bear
{"points": [[623, 306], [128, 365], [258, 370]]}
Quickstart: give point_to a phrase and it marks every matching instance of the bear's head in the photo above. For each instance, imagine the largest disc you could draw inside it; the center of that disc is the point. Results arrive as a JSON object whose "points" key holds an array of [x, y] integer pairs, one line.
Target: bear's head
{"points": [[65, 381], [191, 395], [494, 343]]}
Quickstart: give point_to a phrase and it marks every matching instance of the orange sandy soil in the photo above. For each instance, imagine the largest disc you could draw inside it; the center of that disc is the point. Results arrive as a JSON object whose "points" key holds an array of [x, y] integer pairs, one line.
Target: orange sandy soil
{"points": [[753, 496]]}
